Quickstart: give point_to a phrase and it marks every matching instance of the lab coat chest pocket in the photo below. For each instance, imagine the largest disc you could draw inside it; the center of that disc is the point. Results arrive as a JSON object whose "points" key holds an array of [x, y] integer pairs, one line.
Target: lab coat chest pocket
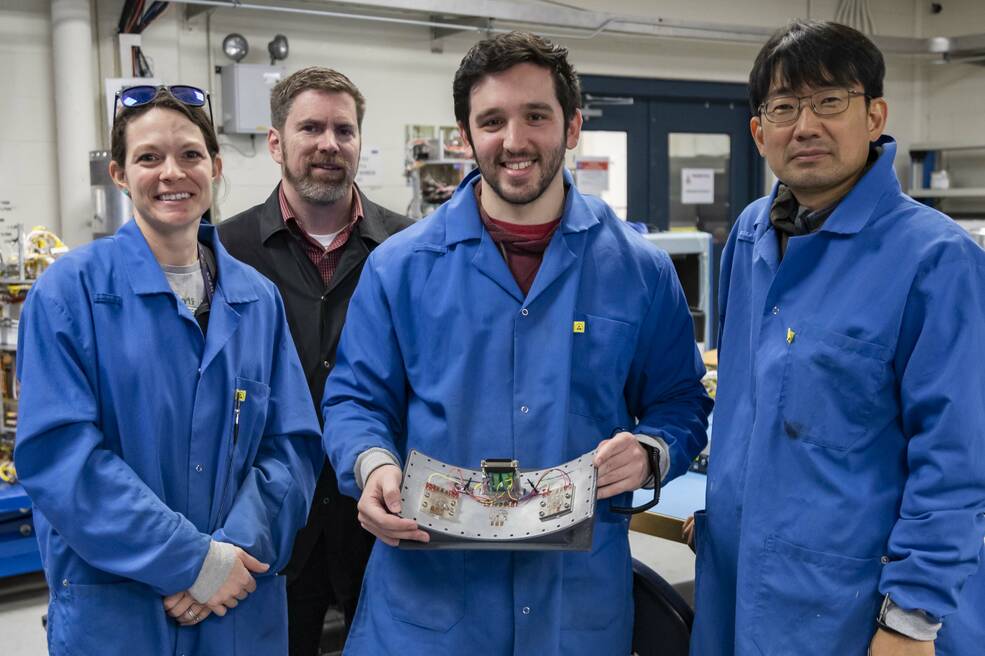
{"points": [[601, 353], [836, 389], [251, 398], [813, 602]]}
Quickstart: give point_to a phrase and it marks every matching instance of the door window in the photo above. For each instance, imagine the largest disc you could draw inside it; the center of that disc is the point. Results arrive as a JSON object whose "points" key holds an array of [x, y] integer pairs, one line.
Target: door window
{"points": [[699, 182], [604, 167]]}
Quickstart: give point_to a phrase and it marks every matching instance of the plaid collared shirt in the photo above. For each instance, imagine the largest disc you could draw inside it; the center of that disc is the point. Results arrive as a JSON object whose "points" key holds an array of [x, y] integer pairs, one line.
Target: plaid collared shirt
{"points": [[326, 260]]}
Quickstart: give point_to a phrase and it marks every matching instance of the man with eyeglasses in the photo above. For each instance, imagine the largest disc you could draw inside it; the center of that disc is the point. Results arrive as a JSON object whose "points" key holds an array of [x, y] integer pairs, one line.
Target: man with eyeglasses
{"points": [[846, 486]]}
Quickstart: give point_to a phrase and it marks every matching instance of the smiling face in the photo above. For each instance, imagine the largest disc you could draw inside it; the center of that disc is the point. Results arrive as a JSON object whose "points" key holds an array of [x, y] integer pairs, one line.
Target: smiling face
{"points": [[820, 158], [518, 134], [318, 148], [167, 171]]}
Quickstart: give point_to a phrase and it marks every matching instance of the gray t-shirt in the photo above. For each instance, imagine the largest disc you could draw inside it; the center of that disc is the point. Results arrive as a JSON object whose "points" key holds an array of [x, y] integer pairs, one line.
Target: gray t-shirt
{"points": [[187, 283]]}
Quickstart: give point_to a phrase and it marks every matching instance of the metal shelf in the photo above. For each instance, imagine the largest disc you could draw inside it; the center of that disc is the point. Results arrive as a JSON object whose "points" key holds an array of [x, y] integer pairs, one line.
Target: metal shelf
{"points": [[966, 192], [942, 145]]}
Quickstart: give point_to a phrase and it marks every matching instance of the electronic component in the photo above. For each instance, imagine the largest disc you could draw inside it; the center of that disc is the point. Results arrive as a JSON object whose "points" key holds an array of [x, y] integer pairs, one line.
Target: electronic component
{"points": [[500, 506], [501, 476], [440, 501], [556, 502]]}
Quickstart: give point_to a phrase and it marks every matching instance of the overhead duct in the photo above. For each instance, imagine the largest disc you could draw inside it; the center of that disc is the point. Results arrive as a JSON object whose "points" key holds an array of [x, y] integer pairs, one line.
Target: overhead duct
{"points": [[554, 20]]}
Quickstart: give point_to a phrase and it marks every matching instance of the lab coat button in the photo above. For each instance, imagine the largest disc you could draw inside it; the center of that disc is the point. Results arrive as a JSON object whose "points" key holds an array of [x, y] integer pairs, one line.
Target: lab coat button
{"points": [[776, 310], [64, 583], [524, 311], [525, 610], [884, 560], [199, 468], [524, 409]]}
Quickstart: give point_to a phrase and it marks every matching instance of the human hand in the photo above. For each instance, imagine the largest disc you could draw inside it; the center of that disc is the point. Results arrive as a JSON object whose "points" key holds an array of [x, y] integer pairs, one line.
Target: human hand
{"points": [[378, 507], [687, 532], [623, 465], [183, 608], [887, 643], [238, 584]]}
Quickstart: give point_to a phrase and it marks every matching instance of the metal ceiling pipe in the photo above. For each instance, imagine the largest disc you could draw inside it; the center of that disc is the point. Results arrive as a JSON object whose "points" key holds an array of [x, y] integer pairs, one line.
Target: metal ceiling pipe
{"points": [[583, 23]]}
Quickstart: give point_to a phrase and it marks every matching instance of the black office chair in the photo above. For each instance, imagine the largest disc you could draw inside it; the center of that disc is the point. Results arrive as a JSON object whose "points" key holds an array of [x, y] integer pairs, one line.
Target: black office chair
{"points": [[663, 618]]}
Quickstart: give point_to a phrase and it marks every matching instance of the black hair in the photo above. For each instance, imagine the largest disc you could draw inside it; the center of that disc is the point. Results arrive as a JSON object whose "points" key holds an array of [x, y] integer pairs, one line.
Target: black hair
{"points": [[505, 51], [816, 54]]}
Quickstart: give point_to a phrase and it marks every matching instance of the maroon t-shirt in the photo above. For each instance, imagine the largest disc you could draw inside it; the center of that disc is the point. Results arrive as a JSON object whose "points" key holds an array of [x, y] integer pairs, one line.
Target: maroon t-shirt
{"points": [[522, 246]]}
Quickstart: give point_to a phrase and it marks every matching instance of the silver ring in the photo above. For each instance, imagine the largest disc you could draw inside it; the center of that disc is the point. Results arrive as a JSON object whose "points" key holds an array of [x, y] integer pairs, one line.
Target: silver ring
{"points": [[192, 616]]}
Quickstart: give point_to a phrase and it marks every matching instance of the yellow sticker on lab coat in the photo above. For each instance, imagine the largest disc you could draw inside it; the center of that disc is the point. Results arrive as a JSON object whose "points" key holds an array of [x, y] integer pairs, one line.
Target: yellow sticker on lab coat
{"points": [[578, 327], [790, 335]]}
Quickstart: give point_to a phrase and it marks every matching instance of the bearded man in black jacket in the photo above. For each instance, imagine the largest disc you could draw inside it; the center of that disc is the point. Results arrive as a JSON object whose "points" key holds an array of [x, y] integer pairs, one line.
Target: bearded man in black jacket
{"points": [[311, 238]]}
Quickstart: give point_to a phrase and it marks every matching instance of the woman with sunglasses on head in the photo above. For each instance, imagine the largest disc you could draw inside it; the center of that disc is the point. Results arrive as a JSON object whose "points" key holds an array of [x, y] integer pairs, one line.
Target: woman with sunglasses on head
{"points": [[165, 437]]}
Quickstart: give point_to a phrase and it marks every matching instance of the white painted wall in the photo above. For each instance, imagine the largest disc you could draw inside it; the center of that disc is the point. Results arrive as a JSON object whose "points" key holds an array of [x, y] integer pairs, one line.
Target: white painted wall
{"points": [[28, 168], [405, 83]]}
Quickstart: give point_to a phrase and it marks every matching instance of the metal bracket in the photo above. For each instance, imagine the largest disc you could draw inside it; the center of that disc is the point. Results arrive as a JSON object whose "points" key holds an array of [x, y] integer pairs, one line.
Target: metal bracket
{"points": [[547, 509], [439, 33]]}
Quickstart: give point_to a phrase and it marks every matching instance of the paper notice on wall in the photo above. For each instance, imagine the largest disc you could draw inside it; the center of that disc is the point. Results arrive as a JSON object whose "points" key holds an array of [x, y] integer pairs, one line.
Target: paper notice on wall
{"points": [[592, 174], [370, 173], [697, 186]]}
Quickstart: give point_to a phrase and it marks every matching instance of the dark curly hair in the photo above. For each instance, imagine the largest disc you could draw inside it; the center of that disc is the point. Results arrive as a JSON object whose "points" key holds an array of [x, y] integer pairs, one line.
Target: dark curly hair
{"points": [[506, 51]]}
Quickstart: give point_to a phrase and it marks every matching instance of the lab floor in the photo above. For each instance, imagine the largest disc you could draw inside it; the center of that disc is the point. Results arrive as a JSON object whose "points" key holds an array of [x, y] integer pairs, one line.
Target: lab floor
{"points": [[24, 599]]}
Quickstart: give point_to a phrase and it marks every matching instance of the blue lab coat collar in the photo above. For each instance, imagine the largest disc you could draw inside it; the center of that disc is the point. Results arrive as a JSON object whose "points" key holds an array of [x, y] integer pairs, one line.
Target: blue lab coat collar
{"points": [[467, 224], [857, 208], [147, 277]]}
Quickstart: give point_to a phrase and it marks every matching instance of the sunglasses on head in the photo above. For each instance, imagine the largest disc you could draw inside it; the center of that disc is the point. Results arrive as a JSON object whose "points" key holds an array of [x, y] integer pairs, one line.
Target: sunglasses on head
{"points": [[183, 93]]}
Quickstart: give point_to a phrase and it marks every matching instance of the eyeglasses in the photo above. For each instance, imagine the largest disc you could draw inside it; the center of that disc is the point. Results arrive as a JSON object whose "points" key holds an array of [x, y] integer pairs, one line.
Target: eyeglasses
{"points": [[144, 93], [786, 109]]}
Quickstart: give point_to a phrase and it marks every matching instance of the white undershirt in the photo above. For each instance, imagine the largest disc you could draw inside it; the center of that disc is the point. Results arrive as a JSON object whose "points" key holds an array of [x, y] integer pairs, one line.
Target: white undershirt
{"points": [[326, 240]]}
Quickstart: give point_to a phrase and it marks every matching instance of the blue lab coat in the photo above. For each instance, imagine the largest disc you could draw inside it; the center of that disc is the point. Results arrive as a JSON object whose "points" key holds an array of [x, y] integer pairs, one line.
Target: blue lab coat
{"points": [[848, 459], [441, 352], [124, 444]]}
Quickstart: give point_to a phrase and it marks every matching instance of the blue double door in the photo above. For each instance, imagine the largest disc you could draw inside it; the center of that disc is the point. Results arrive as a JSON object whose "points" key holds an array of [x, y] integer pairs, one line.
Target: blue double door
{"points": [[689, 155]]}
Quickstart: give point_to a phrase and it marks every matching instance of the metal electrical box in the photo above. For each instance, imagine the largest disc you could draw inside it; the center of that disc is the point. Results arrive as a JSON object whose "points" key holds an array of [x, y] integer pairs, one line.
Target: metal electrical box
{"points": [[246, 97]]}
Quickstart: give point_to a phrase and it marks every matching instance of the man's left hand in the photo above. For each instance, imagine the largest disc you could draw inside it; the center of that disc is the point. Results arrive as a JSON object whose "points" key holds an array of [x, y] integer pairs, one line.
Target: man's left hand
{"points": [[887, 643], [623, 465]]}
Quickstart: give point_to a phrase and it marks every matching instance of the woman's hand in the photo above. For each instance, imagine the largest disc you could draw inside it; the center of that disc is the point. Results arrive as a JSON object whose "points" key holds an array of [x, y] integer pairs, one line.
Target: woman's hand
{"points": [[184, 609], [238, 584]]}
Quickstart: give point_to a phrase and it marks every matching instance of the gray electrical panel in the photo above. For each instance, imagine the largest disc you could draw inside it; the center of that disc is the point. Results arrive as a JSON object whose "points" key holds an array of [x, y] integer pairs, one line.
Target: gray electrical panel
{"points": [[246, 97]]}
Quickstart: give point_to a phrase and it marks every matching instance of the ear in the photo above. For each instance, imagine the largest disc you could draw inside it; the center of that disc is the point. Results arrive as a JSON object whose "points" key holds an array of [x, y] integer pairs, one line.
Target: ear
{"points": [[756, 128], [119, 176], [573, 133], [216, 168], [878, 113], [274, 146], [464, 134]]}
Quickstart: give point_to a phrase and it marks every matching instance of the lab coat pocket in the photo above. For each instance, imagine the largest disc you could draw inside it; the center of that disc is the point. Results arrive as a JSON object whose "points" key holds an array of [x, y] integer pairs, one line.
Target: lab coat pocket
{"points": [[260, 620], [836, 389], [813, 602], [424, 588], [601, 354], [603, 575], [88, 619], [248, 418], [250, 400]]}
